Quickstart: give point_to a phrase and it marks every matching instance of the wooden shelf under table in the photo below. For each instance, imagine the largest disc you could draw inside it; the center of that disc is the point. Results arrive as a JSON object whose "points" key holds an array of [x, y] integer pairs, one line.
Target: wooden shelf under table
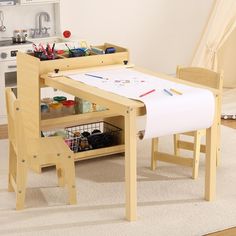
{"points": [[76, 119]]}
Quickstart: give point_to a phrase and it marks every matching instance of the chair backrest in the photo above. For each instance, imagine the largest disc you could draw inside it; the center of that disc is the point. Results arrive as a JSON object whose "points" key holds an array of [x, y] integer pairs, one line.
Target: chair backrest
{"points": [[15, 128], [10, 98], [45, 148], [201, 76]]}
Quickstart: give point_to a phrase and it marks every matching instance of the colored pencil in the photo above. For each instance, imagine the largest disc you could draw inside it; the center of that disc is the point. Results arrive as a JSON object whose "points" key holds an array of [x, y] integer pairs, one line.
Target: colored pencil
{"points": [[168, 92], [175, 91], [95, 76], [35, 47], [144, 94]]}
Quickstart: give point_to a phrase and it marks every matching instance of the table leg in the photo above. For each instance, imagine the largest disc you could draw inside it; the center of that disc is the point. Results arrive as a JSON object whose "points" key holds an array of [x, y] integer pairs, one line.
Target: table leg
{"points": [[210, 167], [130, 165], [218, 149]]}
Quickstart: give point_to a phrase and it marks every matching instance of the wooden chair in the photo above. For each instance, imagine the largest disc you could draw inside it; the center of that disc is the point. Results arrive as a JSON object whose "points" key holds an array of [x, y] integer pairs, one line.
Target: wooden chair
{"points": [[207, 78], [24, 153]]}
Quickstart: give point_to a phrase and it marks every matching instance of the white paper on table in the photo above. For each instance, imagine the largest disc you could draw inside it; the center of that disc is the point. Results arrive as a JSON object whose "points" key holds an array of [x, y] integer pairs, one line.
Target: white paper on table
{"points": [[193, 110]]}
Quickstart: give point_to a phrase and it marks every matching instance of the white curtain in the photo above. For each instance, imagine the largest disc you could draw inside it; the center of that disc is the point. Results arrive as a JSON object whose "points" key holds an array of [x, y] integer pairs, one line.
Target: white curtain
{"points": [[221, 23]]}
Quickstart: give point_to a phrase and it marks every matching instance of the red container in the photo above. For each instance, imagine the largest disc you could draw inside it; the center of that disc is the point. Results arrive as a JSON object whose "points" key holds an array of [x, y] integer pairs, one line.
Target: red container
{"points": [[68, 107]]}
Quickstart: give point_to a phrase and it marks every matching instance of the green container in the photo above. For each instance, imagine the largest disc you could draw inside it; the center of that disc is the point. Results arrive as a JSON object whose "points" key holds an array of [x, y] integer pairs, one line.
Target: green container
{"points": [[59, 98]]}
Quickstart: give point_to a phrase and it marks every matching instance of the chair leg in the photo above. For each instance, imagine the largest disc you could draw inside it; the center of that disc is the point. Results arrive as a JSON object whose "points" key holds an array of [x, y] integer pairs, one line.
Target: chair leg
{"points": [[218, 150], [70, 179], [60, 175], [154, 149], [196, 154], [12, 167], [176, 145], [21, 178]]}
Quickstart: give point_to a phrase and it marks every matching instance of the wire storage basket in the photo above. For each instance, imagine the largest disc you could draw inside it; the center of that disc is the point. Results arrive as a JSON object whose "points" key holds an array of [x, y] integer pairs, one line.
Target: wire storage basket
{"points": [[92, 136], [88, 136]]}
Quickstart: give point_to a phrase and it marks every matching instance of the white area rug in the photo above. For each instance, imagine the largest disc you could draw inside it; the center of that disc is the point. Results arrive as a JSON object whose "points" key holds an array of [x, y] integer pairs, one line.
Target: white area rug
{"points": [[169, 201]]}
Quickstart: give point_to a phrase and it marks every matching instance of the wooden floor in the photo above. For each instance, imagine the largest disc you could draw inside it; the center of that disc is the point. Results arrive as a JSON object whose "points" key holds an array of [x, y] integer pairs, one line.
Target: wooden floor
{"points": [[3, 132], [229, 123], [226, 232]]}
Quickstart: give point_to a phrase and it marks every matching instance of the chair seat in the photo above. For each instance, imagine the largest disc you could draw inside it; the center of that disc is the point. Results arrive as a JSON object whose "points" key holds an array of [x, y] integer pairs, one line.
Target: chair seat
{"points": [[48, 145], [49, 149]]}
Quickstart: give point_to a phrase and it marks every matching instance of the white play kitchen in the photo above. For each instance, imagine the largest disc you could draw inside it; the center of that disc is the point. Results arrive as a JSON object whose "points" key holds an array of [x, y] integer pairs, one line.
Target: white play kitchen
{"points": [[22, 24]]}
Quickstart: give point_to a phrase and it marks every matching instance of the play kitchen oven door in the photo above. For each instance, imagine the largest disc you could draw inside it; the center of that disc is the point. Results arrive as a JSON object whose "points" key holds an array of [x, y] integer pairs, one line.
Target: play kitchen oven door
{"points": [[7, 79]]}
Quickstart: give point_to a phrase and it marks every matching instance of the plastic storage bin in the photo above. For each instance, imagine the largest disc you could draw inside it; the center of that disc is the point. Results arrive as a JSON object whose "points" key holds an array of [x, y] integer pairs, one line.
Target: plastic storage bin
{"points": [[68, 107], [55, 108]]}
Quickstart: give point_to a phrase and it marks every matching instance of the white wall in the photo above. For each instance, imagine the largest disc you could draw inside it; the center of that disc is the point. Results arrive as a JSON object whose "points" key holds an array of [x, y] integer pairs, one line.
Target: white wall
{"points": [[159, 33], [24, 17]]}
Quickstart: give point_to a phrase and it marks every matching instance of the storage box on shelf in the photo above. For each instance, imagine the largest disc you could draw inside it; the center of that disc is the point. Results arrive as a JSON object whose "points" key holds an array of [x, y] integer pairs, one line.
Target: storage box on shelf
{"points": [[29, 72], [118, 54]]}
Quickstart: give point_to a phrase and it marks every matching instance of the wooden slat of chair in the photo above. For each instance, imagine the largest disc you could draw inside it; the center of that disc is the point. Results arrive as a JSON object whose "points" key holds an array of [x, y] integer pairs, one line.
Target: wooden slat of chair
{"points": [[206, 78], [200, 76]]}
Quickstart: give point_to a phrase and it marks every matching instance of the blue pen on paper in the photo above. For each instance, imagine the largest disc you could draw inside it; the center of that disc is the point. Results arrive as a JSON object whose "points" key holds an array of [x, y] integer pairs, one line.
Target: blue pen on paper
{"points": [[95, 76], [168, 92]]}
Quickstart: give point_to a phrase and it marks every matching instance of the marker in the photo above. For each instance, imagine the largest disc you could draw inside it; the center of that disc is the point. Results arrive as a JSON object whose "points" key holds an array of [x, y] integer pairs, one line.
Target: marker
{"points": [[43, 49], [53, 46], [49, 50], [175, 91], [144, 94], [95, 76], [168, 92], [35, 48], [69, 48]]}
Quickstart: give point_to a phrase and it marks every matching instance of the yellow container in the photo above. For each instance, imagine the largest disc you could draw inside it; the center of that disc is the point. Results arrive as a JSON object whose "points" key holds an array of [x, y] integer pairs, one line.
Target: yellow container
{"points": [[55, 108]]}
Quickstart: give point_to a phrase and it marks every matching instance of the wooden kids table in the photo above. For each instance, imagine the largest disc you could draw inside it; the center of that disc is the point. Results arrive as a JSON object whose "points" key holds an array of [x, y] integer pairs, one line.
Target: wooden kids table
{"points": [[33, 74]]}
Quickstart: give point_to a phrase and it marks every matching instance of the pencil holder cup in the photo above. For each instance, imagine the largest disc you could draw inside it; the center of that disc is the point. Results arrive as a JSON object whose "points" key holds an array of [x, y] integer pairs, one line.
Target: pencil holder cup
{"points": [[76, 53], [44, 57], [38, 54]]}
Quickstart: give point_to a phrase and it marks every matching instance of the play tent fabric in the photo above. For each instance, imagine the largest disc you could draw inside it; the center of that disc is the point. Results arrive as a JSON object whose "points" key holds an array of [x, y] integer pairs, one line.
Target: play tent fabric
{"points": [[221, 23]]}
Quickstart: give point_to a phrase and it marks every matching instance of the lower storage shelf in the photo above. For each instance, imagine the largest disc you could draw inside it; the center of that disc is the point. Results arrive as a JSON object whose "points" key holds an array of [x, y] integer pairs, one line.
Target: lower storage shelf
{"points": [[100, 152], [88, 136]]}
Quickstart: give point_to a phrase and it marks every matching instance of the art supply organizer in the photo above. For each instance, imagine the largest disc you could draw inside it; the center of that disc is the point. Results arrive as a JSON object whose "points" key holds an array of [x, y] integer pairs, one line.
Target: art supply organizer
{"points": [[29, 83]]}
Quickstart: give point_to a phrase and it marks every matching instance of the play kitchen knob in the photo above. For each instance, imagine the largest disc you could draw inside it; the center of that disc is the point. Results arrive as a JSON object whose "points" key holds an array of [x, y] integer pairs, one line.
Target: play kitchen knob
{"points": [[3, 55]]}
